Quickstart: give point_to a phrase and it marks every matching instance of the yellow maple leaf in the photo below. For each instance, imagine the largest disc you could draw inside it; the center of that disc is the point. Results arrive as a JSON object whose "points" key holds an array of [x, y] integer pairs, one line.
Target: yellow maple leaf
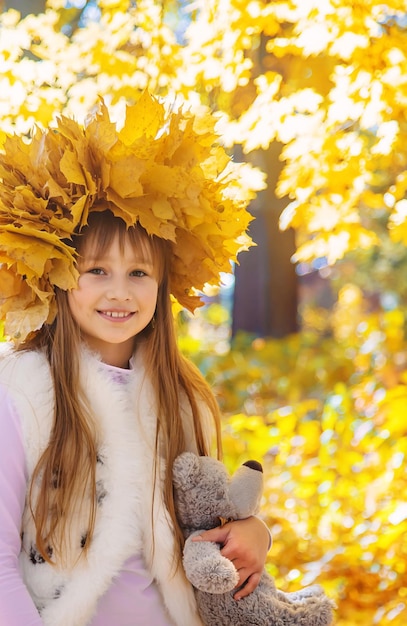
{"points": [[144, 120]]}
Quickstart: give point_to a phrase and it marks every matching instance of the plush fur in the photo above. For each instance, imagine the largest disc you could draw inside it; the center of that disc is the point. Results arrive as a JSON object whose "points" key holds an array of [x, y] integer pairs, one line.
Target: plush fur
{"points": [[205, 493]]}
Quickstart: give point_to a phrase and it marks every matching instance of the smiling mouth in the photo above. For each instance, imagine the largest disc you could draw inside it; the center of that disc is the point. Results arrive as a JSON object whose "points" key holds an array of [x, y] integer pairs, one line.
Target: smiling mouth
{"points": [[117, 314]]}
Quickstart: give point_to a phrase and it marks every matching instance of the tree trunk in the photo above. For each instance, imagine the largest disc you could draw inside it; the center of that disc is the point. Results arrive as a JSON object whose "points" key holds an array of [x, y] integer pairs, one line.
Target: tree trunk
{"points": [[266, 288], [25, 7]]}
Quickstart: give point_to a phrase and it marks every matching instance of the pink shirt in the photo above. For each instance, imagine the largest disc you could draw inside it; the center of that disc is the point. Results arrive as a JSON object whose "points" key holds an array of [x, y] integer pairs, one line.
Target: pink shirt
{"points": [[132, 599]]}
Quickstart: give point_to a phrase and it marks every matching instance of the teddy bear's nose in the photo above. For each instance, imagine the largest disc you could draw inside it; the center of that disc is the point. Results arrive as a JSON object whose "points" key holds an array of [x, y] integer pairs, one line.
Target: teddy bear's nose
{"points": [[254, 465]]}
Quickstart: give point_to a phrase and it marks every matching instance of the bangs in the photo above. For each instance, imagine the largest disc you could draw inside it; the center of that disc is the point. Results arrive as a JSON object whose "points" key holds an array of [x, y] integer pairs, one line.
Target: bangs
{"points": [[103, 228]]}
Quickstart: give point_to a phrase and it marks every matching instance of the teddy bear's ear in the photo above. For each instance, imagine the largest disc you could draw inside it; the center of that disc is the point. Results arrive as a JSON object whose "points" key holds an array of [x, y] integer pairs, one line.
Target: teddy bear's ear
{"points": [[246, 488], [185, 469]]}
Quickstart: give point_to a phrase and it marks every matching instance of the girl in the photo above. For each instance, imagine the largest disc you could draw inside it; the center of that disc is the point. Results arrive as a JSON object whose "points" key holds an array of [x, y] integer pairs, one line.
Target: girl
{"points": [[95, 405]]}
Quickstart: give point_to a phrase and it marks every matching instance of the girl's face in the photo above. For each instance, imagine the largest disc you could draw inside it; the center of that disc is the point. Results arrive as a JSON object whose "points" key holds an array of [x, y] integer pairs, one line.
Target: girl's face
{"points": [[115, 298]]}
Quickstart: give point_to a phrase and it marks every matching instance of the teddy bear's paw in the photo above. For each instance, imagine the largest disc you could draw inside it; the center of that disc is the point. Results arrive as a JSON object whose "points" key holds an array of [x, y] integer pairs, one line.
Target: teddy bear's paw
{"points": [[308, 607], [212, 575], [308, 592]]}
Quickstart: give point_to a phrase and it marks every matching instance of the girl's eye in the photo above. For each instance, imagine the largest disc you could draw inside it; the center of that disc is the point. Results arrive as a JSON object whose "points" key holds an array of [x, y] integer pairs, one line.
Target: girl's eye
{"points": [[96, 270], [138, 273]]}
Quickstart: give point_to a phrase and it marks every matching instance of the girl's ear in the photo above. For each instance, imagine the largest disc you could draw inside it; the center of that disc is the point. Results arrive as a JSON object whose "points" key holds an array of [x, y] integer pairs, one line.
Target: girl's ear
{"points": [[246, 489], [185, 470]]}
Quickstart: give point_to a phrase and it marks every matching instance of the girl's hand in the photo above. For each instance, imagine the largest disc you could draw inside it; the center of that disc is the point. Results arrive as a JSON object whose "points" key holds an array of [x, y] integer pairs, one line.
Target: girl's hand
{"points": [[246, 543]]}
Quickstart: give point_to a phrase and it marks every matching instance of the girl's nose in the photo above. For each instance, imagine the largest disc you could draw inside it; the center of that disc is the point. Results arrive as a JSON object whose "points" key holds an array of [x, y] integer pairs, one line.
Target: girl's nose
{"points": [[119, 289]]}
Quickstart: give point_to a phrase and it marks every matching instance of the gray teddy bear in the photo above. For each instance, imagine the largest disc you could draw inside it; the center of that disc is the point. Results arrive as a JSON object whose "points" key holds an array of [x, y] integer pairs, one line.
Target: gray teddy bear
{"points": [[206, 496]]}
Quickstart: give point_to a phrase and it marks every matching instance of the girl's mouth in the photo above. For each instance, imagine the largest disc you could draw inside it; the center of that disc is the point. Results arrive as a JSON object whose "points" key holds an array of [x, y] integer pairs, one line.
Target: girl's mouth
{"points": [[117, 314]]}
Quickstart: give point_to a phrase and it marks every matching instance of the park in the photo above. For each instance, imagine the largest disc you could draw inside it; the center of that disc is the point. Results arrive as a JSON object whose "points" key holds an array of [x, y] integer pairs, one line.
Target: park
{"points": [[304, 343]]}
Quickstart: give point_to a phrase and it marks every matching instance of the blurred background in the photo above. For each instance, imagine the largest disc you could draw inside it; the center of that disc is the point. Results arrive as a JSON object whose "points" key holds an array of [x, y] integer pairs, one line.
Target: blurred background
{"points": [[305, 341]]}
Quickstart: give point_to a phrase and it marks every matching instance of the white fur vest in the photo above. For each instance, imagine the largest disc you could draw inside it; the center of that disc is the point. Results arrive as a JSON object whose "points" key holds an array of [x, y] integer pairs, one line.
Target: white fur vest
{"points": [[126, 417]]}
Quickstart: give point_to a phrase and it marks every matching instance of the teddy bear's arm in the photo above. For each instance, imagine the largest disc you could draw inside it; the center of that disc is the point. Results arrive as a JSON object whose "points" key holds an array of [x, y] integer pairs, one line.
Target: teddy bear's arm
{"points": [[206, 568]]}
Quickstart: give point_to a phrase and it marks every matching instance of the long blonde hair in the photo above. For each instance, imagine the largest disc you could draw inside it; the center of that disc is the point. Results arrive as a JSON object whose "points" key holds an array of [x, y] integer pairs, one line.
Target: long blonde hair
{"points": [[69, 461]]}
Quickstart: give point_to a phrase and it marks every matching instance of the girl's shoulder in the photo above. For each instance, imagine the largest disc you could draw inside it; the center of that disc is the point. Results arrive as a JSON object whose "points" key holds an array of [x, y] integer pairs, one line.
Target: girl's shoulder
{"points": [[20, 365], [8, 352], [6, 348]]}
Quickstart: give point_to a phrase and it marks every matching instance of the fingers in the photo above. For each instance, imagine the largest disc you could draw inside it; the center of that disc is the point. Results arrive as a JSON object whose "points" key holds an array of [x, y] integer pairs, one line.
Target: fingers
{"points": [[218, 535], [248, 587]]}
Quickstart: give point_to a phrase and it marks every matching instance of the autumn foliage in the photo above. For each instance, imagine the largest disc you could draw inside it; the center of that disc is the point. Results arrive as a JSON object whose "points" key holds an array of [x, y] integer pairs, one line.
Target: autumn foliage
{"points": [[324, 409]]}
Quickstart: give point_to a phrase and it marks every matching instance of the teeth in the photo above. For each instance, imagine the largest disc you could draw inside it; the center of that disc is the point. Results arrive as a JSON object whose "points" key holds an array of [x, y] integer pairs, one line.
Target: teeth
{"points": [[116, 313]]}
